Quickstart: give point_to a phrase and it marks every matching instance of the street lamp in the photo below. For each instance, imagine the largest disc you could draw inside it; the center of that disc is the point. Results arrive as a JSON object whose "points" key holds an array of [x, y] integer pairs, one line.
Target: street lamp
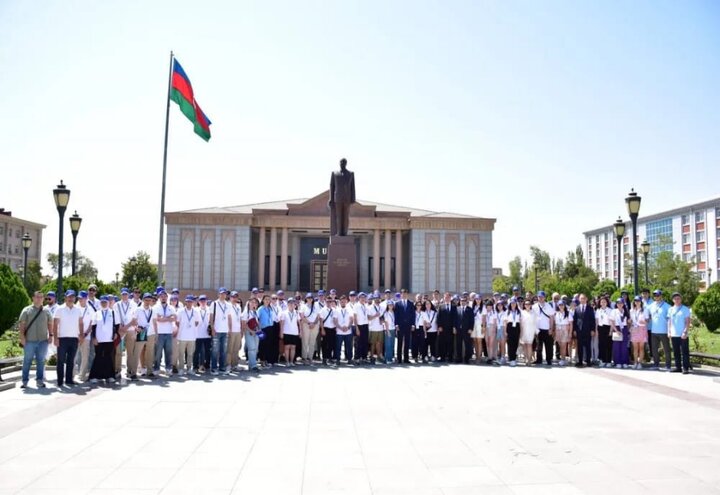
{"points": [[645, 246], [633, 206], [62, 197], [75, 222], [26, 243], [619, 228]]}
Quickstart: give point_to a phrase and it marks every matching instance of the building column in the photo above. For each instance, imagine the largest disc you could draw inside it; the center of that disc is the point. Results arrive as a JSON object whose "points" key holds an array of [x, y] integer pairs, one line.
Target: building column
{"points": [[273, 257], [376, 260], [398, 259], [388, 254], [283, 258], [261, 259]]}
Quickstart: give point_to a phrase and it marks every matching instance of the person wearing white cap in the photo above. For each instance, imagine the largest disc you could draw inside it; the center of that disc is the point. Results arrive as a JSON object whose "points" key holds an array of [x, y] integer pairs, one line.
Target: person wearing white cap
{"points": [[187, 321], [67, 331]]}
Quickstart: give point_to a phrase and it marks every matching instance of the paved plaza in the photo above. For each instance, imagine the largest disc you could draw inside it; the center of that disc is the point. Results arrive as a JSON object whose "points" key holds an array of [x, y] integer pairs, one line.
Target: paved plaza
{"points": [[440, 430]]}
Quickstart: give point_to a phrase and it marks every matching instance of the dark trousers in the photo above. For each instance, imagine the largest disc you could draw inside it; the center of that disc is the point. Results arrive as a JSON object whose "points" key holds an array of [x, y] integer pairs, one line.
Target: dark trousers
{"points": [[463, 338], [604, 343], [445, 344], [418, 347], [583, 347], [681, 351], [403, 343], [362, 342], [271, 348], [513, 337], [347, 341], [67, 348], [103, 364], [201, 356], [430, 345], [328, 344], [544, 340]]}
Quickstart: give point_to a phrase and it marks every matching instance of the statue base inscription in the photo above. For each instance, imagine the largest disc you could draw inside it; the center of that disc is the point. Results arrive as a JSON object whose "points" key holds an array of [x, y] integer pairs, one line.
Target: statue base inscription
{"points": [[342, 264]]}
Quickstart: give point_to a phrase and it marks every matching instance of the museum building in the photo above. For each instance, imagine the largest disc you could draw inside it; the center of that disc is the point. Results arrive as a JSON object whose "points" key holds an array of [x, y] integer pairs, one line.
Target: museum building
{"points": [[396, 247]]}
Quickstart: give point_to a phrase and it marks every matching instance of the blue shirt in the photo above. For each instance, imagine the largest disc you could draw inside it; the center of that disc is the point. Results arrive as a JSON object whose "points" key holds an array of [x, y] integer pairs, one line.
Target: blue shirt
{"points": [[659, 317], [265, 315], [677, 317]]}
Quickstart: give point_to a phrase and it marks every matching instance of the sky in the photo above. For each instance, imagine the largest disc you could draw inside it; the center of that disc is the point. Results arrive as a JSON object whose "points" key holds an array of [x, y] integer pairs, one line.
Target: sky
{"points": [[541, 114]]}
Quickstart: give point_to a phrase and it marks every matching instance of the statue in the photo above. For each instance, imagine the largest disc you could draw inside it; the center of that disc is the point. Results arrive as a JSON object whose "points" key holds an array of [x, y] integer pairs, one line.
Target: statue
{"points": [[342, 195]]}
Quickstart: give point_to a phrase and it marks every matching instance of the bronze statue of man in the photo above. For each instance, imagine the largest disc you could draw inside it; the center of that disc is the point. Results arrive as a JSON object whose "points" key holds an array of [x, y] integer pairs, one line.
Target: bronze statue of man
{"points": [[342, 195]]}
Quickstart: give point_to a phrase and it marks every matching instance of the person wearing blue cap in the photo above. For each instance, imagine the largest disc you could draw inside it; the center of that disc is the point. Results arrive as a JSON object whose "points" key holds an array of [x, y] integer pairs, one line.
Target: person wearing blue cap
{"points": [[104, 333], [620, 334], [203, 340], [187, 321], [362, 330], [125, 315], [678, 328], [221, 321], [235, 335], [328, 332], [35, 329], [83, 356], [67, 331], [391, 329], [659, 310], [544, 313], [164, 325], [310, 325], [142, 321], [639, 316], [376, 329], [251, 324]]}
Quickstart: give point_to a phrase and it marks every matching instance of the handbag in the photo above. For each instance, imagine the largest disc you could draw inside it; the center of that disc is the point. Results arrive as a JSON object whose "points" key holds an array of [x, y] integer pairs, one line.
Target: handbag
{"points": [[617, 336]]}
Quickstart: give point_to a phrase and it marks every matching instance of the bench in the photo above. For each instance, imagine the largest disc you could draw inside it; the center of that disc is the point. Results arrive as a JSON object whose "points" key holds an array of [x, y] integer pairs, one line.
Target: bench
{"points": [[705, 355]]}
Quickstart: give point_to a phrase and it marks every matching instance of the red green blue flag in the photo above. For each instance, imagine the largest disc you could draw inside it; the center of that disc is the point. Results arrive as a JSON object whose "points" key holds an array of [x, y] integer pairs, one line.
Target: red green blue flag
{"points": [[182, 93]]}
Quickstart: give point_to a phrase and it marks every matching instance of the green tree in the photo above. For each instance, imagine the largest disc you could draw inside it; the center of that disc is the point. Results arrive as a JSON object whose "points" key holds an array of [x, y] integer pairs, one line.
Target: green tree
{"points": [[606, 286], [502, 284], [137, 271], [671, 274], [515, 270], [12, 296], [84, 266], [707, 307], [34, 277]]}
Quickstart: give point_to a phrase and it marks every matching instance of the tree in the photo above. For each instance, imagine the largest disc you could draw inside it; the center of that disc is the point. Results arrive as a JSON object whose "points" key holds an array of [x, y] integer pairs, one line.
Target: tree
{"points": [[671, 274], [13, 297], [78, 283], [84, 266], [515, 270], [502, 284], [34, 277], [707, 307], [138, 272], [607, 286]]}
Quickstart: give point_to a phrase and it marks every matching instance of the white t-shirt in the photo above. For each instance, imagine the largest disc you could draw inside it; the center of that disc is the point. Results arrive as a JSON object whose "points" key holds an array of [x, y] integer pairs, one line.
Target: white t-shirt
{"points": [[164, 311], [543, 317], [343, 318], [289, 322], [310, 313], [188, 321], [430, 320], [619, 318], [104, 325], [68, 319], [144, 319], [125, 313], [389, 318], [361, 313], [88, 316], [376, 324], [202, 328], [221, 317], [639, 317], [236, 320], [326, 317], [419, 319], [603, 316], [512, 317], [562, 320]]}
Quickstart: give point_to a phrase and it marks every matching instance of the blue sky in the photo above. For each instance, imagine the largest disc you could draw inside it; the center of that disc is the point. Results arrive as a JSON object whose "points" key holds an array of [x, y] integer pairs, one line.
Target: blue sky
{"points": [[540, 114]]}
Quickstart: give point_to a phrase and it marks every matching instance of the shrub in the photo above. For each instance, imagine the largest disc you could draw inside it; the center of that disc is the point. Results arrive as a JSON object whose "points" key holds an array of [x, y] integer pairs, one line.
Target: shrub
{"points": [[13, 297], [707, 307]]}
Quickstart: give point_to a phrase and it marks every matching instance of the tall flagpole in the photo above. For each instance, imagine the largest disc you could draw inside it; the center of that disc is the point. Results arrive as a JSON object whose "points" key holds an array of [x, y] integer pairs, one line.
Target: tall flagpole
{"points": [[164, 175]]}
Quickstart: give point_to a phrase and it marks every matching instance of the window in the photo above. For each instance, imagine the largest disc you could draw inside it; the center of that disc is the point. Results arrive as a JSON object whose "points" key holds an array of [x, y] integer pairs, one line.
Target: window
{"points": [[17, 234], [9, 232], [660, 236], [686, 238], [700, 236], [17, 249], [686, 219], [701, 256], [687, 257], [699, 216]]}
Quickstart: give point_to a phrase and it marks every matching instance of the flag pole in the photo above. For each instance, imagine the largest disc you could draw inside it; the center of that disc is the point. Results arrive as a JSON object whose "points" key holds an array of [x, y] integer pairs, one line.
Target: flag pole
{"points": [[160, 273]]}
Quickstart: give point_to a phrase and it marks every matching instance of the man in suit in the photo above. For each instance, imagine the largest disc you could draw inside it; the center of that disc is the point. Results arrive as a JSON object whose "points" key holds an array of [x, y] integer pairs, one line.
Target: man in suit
{"points": [[584, 329], [466, 322], [446, 324], [405, 321]]}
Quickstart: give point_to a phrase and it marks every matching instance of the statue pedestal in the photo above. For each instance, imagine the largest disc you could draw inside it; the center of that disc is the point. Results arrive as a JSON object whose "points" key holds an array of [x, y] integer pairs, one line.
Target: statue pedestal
{"points": [[342, 264]]}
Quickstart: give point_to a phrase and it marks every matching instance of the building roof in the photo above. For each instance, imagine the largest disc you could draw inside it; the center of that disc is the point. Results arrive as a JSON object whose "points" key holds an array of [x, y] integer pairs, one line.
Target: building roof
{"points": [[701, 205]]}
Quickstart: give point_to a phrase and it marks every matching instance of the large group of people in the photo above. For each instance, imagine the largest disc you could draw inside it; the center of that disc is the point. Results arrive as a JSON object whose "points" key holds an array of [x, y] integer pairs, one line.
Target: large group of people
{"points": [[161, 335]]}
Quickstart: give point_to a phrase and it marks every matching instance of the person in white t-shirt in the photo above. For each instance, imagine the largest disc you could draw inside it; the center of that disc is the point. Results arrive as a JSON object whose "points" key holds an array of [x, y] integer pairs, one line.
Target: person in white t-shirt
{"points": [[68, 330], [125, 311], [221, 319], [290, 331], [327, 331], [310, 327], [390, 330], [188, 320], [203, 342], [103, 335], [143, 324], [88, 317], [563, 329], [362, 323], [164, 324], [429, 316], [235, 335], [343, 317], [544, 313], [376, 328]]}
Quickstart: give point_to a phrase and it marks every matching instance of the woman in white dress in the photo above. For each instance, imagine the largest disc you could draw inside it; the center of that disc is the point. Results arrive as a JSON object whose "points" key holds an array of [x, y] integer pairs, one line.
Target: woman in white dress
{"points": [[563, 329], [528, 330]]}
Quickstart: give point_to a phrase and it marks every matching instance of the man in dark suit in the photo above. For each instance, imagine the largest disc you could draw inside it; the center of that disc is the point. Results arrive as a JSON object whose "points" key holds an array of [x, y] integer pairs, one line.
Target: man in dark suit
{"points": [[465, 324], [405, 320], [584, 329], [446, 325]]}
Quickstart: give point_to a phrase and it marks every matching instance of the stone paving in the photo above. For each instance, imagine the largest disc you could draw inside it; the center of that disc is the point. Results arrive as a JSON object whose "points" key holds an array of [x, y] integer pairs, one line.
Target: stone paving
{"points": [[440, 430]]}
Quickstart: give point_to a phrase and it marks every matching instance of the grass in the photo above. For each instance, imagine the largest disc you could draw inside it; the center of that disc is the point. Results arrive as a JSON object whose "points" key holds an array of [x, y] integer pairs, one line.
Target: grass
{"points": [[704, 341]]}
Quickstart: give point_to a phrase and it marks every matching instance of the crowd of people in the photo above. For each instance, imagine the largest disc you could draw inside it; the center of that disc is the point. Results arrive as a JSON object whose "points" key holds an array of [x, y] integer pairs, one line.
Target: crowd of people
{"points": [[160, 335]]}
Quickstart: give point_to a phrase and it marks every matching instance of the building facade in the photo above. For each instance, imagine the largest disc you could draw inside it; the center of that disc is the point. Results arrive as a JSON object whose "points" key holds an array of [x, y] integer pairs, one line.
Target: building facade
{"points": [[692, 232], [283, 245], [12, 230]]}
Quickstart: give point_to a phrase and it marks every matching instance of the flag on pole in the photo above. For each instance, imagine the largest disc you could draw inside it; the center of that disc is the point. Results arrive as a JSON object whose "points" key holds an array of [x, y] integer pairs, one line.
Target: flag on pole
{"points": [[182, 93]]}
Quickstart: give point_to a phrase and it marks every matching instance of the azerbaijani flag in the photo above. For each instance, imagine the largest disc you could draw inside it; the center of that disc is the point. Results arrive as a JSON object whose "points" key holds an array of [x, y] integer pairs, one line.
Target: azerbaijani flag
{"points": [[182, 93]]}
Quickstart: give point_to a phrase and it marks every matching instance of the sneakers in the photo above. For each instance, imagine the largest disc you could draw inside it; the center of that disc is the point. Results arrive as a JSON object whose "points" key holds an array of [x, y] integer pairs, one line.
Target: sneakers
{"points": [[111, 380], [513, 364], [93, 380], [214, 372], [638, 366], [562, 362], [24, 385]]}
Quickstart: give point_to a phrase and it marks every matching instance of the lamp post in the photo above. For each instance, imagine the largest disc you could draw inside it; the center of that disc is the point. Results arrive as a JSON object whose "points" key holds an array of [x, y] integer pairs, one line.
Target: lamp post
{"points": [[62, 197], [26, 243], [709, 277], [633, 206], [645, 246], [619, 228], [75, 222]]}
